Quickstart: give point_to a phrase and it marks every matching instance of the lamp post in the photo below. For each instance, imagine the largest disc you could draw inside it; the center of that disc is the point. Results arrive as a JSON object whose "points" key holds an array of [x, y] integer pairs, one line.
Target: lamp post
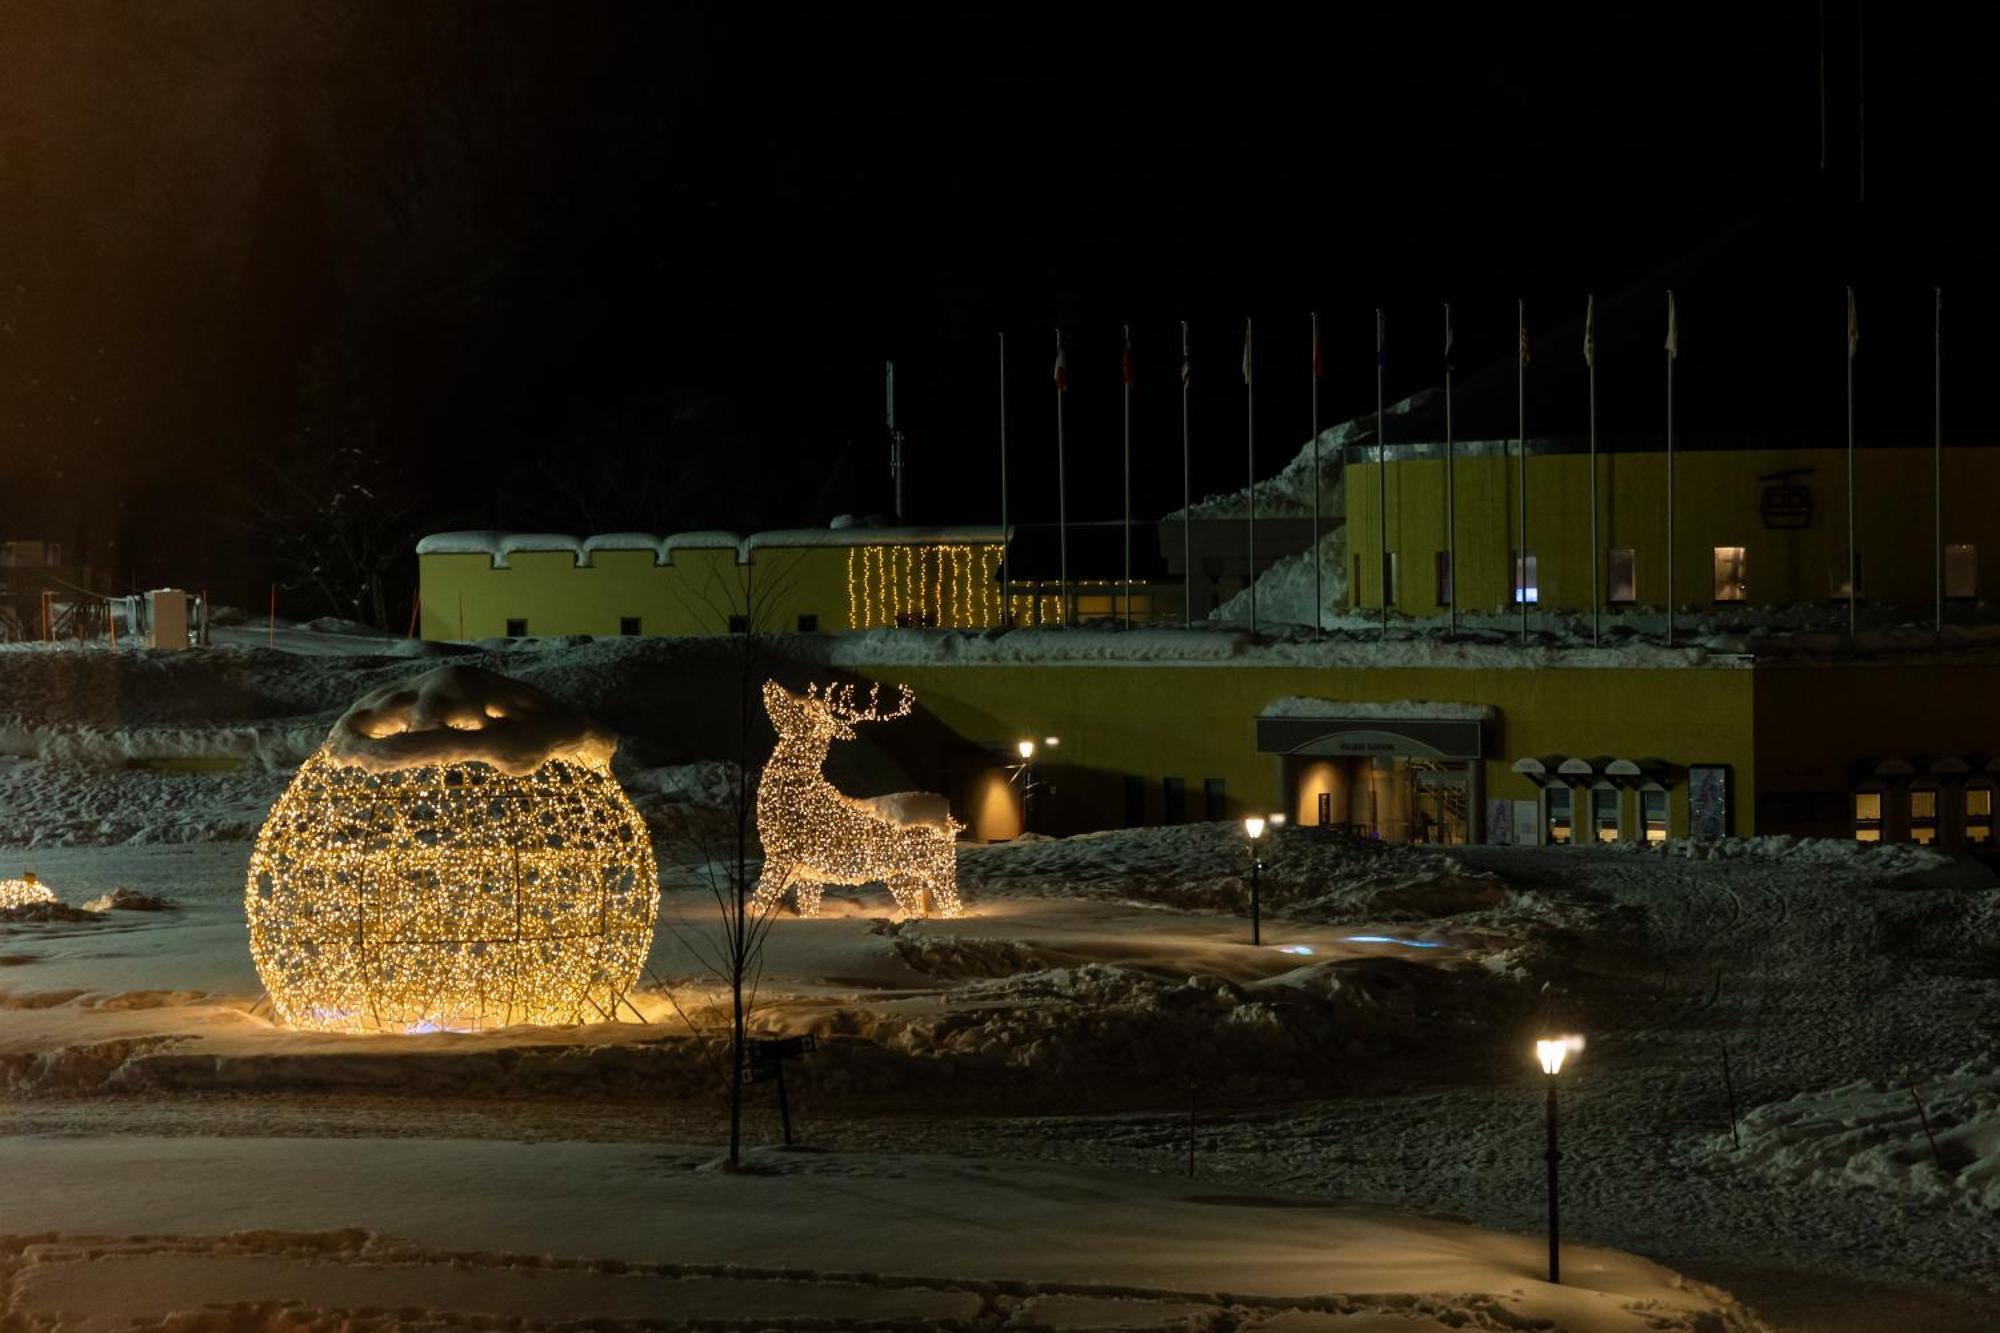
{"points": [[1253, 826], [1551, 1051]]}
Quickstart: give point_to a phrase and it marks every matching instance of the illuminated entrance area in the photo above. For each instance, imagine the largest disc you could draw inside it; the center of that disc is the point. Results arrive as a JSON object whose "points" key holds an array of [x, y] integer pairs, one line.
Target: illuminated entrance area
{"points": [[1406, 773]]}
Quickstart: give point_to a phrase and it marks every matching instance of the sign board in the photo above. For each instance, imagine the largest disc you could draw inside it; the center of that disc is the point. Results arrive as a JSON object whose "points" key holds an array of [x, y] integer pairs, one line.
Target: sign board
{"points": [[1787, 506], [1416, 737], [763, 1050]]}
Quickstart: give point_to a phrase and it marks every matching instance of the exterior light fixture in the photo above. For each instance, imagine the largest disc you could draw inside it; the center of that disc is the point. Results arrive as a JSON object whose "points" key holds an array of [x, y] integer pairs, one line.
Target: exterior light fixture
{"points": [[1026, 749], [1550, 1053], [1253, 828]]}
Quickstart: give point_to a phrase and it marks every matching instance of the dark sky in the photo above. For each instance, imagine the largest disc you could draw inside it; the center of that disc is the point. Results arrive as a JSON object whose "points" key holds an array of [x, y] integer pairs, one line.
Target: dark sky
{"points": [[594, 266]]}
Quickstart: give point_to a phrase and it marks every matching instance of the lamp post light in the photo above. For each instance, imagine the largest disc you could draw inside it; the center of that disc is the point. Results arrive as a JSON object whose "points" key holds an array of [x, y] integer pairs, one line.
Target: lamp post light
{"points": [[1550, 1052], [1253, 827]]}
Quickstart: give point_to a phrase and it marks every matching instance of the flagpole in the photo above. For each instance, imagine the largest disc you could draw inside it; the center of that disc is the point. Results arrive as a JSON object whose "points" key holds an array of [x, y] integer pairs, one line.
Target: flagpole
{"points": [[1853, 588], [1062, 487], [1250, 441], [1187, 492], [1590, 361], [1937, 446], [1006, 533], [1521, 457], [1450, 486], [1673, 351], [1381, 477], [1319, 602], [1127, 370]]}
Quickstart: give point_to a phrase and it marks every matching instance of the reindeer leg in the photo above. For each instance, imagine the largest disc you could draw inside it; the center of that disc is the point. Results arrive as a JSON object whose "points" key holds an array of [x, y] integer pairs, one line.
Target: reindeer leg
{"points": [[908, 891], [944, 891], [771, 886], [808, 892]]}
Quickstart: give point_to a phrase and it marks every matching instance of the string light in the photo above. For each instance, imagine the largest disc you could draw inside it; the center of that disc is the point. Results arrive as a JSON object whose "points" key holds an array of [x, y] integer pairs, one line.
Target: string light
{"points": [[450, 895], [24, 891], [813, 835], [945, 585]]}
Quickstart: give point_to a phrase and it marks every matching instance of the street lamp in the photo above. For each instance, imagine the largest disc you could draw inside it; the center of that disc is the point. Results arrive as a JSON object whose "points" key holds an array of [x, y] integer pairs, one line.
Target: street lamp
{"points": [[1550, 1052], [1253, 827], [1025, 771]]}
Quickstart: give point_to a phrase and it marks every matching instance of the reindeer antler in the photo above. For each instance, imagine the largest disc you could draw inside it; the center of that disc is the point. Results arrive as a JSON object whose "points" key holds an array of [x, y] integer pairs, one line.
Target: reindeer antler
{"points": [[838, 700]]}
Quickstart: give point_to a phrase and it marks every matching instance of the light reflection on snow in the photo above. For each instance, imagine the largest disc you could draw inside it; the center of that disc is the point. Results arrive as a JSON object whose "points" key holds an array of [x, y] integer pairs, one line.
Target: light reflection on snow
{"points": [[1295, 948], [1391, 939]]}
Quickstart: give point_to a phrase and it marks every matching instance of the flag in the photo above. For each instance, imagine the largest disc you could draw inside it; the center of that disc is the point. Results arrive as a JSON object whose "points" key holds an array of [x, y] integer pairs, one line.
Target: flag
{"points": [[1673, 331], [1319, 362], [1125, 367], [1853, 325], [1187, 360], [1381, 345], [1450, 344], [1590, 332], [1062, 366], [1246, 351]]}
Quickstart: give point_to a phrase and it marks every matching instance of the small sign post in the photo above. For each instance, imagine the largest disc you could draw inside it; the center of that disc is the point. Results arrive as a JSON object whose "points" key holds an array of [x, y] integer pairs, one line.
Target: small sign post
{"points": [[767, 1065]]}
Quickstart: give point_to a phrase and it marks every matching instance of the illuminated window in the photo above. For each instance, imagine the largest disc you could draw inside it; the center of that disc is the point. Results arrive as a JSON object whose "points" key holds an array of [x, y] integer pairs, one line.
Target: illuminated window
{"points": [[1653, 812], [1923, 815], [1527, 579], [1979, 814], [1443, 573], [1604, 813], [1730, 582], [517, 629], [1837, 578], [628, 625], [1558, 800], [1622, 575], [1868, 816], [1961, 571]]}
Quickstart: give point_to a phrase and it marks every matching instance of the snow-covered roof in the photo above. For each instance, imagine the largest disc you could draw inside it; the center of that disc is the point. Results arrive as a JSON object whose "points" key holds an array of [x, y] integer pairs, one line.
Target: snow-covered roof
{"points": [[1299, 705], [498, 546], [462, 714]]}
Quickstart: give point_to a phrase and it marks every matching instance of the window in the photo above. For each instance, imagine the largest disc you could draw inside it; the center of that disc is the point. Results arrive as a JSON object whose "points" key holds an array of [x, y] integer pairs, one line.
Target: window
{"points": [[628, 625], [1527, 579], [1173, 800], [808, 622], [1730, 582], [1868, 816], [1442, 571], [1557, 801], [1837, 579], [1389, 578], [1213, 804], [1653, 813], [1961, 571], [1979, 815], [517, 628], [1923, 815], [1709, 801], [739, 624], [1604, 814], [1135, 801], [1621, 582]]}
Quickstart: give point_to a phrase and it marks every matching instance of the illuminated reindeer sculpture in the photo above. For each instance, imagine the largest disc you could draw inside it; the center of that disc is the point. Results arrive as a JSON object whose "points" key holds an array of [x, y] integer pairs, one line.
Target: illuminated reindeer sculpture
{"points": [[814, 836]]}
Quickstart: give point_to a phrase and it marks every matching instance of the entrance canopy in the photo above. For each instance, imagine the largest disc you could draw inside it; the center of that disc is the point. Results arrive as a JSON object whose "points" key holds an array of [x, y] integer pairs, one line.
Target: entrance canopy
{"points": [[1412, 729]]}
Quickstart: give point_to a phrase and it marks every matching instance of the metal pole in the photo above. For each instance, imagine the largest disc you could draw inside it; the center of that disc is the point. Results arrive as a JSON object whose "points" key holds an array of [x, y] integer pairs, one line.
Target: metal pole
{"points": [[1006, 533], [1062, 500], [1521, 457], [1937, 445], [1381, 475], [1256, 877], [1450, 482], [1670, 483], [1319, 601], [1554, 1155], [1187, 491], [1822, 85], [784, 1105], [1853, 586], [1250, 439], [1596, 552], [1127, 371]]}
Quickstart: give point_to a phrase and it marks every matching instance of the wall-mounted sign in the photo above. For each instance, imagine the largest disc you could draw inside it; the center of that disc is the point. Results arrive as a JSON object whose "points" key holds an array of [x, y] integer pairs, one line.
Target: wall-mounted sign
{"points": [[1786, 503]]}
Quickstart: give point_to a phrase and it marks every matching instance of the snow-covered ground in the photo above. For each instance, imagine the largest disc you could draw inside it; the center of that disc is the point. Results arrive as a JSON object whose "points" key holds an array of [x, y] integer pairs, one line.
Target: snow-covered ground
{"points": [[998, 1109]]}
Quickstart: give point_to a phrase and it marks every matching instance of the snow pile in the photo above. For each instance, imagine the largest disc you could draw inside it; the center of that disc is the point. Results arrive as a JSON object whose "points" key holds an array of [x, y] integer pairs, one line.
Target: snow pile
{"points": [[1885, 860], [1871, 1135], [707, 782], [1289, 494], [926, 809], [1285, 590], [51, 803], [1300, 705], [281, 746], [462, 714]]}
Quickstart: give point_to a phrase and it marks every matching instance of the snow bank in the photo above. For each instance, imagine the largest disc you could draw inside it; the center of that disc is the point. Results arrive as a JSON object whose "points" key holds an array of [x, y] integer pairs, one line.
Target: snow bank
{"points": [[1285, 590], [1871, 1136], [924, 808], [1298, 705], [462, 714], [1887, 860]]}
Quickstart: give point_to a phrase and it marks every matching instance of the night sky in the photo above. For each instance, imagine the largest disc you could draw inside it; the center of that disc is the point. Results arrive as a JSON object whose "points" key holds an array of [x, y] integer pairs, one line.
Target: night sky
{"points": [[607, 266]]}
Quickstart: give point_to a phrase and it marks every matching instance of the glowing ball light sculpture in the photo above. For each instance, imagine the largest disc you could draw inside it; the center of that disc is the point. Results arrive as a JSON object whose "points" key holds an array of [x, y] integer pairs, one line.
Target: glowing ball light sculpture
{"points": [[814, 835], [456, 856], [24, 892]]}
